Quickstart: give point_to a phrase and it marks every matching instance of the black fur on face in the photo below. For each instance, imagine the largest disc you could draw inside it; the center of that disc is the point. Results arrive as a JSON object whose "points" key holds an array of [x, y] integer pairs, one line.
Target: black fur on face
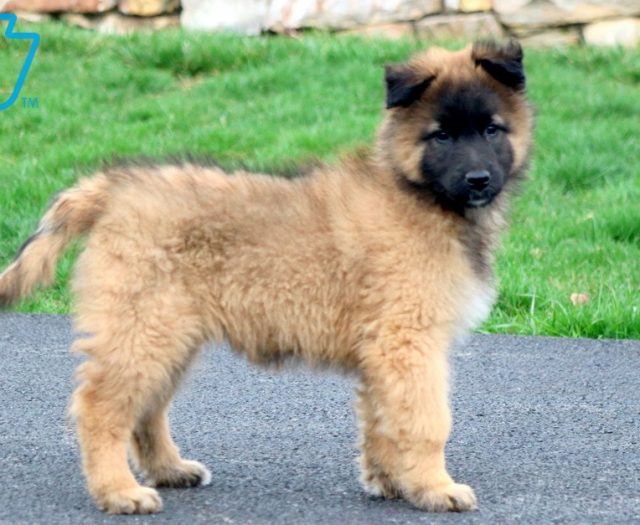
{"points": [[467, 156]]}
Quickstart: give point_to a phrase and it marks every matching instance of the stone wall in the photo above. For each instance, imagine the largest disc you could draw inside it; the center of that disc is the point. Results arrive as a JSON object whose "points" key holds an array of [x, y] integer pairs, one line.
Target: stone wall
{"points": [[535, 22]]}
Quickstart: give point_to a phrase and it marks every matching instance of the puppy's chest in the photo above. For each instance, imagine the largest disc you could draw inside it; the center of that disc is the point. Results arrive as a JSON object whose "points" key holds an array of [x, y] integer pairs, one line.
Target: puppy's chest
{"points": [[475, 306]]}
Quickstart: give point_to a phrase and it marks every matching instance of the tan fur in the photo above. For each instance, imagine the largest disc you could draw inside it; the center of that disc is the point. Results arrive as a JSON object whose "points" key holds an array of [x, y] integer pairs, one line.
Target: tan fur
{"points": [[341, 267]]}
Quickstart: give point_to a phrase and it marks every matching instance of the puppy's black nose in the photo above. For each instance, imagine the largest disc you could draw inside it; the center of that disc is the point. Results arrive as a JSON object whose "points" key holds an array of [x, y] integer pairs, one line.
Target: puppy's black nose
{"points": [[478, 180]]}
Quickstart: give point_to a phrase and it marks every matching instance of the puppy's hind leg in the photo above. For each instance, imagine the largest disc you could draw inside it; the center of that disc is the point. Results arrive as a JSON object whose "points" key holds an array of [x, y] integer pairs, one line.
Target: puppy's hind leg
{"points": [[133, 368], [158, 456]]}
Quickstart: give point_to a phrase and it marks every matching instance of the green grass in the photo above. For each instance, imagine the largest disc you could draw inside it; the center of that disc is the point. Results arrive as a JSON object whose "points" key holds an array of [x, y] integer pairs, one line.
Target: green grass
{"points": [[272, 102]]}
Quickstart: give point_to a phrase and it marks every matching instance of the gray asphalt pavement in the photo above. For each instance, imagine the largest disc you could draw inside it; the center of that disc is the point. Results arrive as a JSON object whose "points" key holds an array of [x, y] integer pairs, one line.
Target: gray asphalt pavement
{"points": [[546, 430]]}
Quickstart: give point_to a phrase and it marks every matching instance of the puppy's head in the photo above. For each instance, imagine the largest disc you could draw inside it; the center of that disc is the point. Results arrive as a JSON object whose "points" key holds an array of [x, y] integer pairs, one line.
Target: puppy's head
{"points": [[458, 126]]}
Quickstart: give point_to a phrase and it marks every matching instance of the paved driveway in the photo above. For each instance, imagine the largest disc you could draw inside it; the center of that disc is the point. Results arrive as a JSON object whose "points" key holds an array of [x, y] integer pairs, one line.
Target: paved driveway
{"points": [[546, 430]]}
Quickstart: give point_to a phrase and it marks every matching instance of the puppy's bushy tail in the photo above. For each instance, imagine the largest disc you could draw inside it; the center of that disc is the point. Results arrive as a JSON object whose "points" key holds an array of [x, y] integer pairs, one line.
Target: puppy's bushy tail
{"points": [[71, 214]]}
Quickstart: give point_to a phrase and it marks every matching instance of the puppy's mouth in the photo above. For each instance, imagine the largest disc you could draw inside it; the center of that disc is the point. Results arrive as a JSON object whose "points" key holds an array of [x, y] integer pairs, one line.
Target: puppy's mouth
{"points": [[478, 199]]}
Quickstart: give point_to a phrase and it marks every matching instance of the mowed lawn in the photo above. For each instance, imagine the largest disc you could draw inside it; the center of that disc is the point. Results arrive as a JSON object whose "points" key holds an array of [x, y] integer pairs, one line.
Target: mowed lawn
{"points": [[273, 103]]}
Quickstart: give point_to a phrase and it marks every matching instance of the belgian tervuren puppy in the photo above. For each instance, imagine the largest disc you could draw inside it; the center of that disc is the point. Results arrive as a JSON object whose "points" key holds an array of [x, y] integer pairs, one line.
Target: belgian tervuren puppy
{"points": [[375, 265]]}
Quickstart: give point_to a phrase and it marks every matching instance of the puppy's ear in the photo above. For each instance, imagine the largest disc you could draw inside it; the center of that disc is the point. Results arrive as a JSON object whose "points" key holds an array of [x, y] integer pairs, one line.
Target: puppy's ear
{"points": [[504, 63], [403, 86]]}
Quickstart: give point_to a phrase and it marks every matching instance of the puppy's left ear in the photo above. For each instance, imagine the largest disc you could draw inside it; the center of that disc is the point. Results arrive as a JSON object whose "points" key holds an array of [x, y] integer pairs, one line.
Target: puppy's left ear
{"points": [[403, 85], [504, 63]]}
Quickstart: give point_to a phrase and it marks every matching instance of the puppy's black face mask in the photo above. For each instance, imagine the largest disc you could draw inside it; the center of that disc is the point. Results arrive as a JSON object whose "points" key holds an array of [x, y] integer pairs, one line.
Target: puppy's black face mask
{"points": [[467, 155], [462, 124]]}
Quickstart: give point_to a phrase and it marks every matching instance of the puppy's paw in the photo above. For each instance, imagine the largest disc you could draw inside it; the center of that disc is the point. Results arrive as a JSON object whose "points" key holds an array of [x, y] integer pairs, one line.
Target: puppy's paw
{"points": [[379, 485], [138, 500], [452, 497], [184, 475]]}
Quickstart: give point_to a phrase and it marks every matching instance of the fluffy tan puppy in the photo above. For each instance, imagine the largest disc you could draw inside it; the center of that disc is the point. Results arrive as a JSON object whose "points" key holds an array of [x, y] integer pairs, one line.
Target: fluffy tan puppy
{"points": [[375, 265]]}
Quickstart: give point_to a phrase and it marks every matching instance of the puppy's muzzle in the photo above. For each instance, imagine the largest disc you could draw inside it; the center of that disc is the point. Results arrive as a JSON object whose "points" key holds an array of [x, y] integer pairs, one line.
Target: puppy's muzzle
{"points": [[480, 193], [478, 180]]}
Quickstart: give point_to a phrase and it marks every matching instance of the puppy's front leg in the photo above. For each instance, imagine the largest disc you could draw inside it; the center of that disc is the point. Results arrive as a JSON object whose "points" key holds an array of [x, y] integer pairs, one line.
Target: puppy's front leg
{"points": [[406, 419]]}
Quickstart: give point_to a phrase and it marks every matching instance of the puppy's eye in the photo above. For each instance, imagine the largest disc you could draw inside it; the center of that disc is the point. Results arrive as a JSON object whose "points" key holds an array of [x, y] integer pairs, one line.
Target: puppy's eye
{"points": [[442, 136], [491, 130]]}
